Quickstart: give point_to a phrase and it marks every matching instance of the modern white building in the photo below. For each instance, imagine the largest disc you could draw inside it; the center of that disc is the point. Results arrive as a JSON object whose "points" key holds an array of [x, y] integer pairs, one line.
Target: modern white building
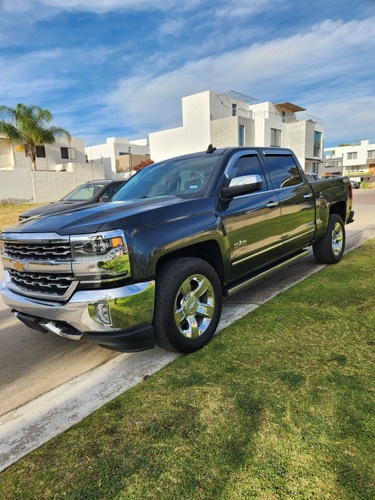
{"points": [[357, 159], [118, 155], [233, 119]]}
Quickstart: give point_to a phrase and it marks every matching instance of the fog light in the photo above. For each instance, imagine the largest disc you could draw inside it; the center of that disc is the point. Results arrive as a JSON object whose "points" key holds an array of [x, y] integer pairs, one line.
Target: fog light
{"points": [[103, 312]]}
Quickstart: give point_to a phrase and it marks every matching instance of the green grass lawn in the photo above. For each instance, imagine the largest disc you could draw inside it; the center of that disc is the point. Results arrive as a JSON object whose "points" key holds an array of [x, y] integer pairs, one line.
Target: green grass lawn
{"points": [[280, 405]]}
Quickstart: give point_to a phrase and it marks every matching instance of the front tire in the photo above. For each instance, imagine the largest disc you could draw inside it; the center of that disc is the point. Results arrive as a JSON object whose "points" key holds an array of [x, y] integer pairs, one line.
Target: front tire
{"points": [[330, 248], [187, 304]]}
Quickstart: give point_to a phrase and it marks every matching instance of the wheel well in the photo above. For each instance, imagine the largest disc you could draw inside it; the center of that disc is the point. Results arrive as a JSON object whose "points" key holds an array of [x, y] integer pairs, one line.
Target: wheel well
{"points": [[339, 209], [208, 251]]}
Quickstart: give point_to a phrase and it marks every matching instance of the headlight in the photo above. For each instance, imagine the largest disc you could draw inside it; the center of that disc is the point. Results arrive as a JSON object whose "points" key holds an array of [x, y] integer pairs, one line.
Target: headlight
{"points": [[100, 256]]}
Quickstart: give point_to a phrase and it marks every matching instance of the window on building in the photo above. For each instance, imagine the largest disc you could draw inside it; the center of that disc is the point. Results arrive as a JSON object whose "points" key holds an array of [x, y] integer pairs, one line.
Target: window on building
{"points": [[317, 144], [68, 153], [275, 138], [248, 165], [40, 151], [371, 153], [352, 156], [241, 135], [283, 171], [315, 168], [234, 109]]}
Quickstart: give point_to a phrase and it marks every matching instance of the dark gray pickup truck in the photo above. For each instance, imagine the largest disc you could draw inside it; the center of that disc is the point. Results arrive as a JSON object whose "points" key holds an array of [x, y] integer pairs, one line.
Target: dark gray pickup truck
{"points": [[153, 265]]}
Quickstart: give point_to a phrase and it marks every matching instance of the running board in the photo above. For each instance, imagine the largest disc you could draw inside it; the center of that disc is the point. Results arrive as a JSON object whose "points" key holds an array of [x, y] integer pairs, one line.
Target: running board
{"points": [[244, 284]]}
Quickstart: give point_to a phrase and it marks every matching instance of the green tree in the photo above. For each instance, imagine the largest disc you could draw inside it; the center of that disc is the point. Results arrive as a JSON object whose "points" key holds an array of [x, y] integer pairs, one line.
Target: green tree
{"points": [[29, 126]]}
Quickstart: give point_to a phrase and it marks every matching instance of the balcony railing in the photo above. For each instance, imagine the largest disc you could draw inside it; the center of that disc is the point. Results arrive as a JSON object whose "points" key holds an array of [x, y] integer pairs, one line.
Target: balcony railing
{"points": [[268, 115]]}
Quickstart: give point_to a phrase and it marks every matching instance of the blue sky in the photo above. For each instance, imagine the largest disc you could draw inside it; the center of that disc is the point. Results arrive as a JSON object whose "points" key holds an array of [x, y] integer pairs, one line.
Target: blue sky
{"points": [[109, 68]]}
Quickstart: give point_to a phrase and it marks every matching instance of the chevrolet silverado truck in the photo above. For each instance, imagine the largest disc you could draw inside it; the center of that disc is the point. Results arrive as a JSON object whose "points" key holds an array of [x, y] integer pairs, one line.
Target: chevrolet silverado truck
{"points": [[153, 265]]}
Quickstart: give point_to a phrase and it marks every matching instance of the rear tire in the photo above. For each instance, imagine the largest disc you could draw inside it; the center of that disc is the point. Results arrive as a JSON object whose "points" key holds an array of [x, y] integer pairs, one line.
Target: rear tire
{"points": [[330, 248], [187, 304]]}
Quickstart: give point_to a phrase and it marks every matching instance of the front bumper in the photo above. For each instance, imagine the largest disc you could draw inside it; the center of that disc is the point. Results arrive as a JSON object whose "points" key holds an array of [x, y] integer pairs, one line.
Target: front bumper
{"points": [[118, 318]]}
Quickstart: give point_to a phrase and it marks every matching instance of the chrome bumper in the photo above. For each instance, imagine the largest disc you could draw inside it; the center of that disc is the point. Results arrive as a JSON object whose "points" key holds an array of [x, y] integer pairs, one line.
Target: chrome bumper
{"points": [[89, 314]]}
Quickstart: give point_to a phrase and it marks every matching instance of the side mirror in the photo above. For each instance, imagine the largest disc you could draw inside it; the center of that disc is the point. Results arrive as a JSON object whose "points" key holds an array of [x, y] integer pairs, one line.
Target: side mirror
{"points": [[104, 198], [245, 184]]}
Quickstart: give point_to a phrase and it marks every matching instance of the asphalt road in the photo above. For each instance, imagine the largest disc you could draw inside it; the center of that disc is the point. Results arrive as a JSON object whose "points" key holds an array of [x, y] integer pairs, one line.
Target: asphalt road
{"points": [[32, 363]]}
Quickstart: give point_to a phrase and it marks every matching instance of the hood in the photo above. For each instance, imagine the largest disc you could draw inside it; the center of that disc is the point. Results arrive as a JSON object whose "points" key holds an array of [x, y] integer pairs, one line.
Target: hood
{"points": [[89, 219], [57, 206]]}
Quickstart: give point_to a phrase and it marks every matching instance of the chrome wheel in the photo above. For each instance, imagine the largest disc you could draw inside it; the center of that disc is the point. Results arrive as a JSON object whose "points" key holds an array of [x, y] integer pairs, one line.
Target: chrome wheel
{"points": [[194, 306], [337, 239]]}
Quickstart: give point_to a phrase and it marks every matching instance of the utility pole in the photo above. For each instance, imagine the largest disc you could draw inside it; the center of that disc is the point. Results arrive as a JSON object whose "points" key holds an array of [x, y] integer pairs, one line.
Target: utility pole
{"points": [[130, 159]]}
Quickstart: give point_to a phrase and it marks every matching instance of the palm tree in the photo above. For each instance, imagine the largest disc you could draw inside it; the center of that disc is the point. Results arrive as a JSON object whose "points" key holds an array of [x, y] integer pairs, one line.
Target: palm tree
{"points": [[28, 125]]}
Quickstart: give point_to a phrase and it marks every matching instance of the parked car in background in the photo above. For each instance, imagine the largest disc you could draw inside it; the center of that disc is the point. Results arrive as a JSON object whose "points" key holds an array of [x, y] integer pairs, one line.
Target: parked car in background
{"points": [[355, 184], [312, 177], [90, 192]]}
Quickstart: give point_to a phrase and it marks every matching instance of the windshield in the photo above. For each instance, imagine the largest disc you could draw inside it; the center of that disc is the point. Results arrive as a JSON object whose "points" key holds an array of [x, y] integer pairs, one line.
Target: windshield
{"points": [[187, 178], [84, 193]]}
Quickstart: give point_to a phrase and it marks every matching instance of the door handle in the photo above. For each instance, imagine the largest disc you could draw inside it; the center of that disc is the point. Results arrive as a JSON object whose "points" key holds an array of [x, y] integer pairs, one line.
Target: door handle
{"points": [[272, 204], [307, 196]]}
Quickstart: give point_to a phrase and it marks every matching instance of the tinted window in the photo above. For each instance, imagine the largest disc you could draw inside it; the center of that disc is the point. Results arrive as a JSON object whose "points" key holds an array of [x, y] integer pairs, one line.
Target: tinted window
{"points": [[111, 190], [283, 171], [248, 165]]}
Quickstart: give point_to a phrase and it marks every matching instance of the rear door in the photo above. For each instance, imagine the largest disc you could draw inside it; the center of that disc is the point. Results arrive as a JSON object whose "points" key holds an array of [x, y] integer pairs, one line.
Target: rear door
{"points": [[252, 222], [296, 198]]}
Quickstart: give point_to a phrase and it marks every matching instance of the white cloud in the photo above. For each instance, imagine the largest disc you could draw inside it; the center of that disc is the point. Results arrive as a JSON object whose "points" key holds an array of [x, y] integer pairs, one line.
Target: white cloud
{"points": [[290, 68], [241, 8], [25, 76], [97, 6], [172, 27]]}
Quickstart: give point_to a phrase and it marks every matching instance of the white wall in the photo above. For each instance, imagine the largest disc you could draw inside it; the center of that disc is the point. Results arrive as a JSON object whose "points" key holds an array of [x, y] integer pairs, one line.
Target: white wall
{"points": [[17, 184], [225, 131], [192, 137]]}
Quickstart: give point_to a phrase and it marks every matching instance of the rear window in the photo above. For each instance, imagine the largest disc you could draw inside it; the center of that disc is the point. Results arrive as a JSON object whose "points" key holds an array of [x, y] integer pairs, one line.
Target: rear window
{"points": [[283, 171]]}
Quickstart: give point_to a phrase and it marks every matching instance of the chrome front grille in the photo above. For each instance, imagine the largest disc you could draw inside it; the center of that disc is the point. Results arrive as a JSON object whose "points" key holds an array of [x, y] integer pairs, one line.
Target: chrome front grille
{"points": [[38, 265], [58, 252], [49, 285]]}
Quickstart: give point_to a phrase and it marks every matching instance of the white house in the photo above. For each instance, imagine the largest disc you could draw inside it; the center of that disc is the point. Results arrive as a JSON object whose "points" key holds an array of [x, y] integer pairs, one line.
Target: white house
{"points": [[48, 157], [118, 155], [233, 119], [60, 167], [356, 160]]}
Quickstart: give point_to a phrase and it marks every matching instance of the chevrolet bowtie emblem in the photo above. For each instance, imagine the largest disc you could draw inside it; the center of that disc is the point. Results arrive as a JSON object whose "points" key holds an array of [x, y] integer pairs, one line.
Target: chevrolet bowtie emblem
{"points": [[19, 266]]}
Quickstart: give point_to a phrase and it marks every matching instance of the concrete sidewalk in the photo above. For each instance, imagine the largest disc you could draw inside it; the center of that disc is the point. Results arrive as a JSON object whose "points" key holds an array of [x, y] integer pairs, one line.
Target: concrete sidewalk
{"points": [[28, 427]]}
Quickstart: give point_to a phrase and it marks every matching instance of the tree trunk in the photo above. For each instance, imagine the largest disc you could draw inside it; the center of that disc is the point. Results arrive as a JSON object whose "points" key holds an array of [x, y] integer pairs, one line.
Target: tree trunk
{"points": [[31, 155], [33, 184]]}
